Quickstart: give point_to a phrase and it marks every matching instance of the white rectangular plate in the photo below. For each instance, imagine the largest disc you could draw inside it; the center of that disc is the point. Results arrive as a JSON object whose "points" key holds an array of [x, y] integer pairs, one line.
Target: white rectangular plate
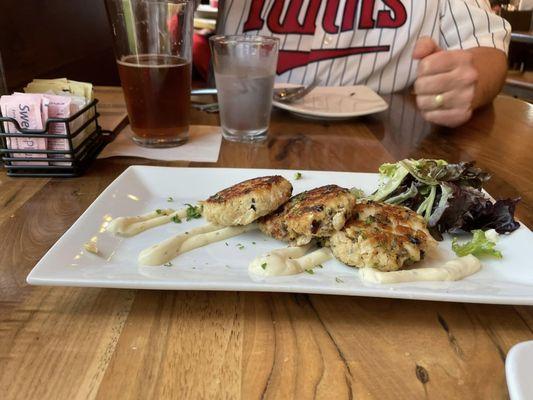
{"points": [[222, 266]]}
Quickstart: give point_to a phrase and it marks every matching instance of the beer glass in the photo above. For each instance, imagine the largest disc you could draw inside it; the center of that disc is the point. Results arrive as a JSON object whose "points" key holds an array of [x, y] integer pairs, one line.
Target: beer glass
{"points": [[153, 42]]}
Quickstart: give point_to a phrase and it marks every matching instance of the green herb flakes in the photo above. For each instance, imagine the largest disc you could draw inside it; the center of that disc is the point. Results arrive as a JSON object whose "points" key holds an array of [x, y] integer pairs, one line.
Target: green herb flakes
{"points": [[168, 264], [298, 176], [264, 265], [193, 212], [310, 271], [176, 219], [338, 280], [370, 220], [170, 199], [357, 193]]}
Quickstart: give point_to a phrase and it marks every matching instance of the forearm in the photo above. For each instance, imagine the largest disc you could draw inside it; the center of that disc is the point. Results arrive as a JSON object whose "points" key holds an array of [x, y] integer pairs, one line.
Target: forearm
{"points": [[491, 65]]}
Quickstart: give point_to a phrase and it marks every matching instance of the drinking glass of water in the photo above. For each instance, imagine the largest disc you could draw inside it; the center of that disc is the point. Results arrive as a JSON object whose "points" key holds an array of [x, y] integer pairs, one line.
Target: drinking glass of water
{"points": [[245, 67]]}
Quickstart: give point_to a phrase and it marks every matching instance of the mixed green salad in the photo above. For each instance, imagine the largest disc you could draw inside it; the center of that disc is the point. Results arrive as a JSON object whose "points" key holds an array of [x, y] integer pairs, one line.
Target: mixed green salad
{"points": [[449, 196]]}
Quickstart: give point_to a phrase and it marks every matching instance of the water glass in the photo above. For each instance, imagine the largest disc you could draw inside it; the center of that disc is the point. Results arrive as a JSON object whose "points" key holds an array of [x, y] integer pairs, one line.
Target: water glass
{"points": [[245, 68]]}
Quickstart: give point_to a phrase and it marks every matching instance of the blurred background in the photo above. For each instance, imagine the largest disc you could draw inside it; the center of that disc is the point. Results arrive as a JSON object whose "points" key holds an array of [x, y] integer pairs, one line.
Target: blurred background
{"points": [[71, 38]]}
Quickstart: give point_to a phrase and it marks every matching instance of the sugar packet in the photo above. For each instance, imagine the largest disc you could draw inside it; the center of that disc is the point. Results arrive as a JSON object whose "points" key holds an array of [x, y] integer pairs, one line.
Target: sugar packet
{"points": [[77, 103], [58, 107], [76, 88], [30, 111]]}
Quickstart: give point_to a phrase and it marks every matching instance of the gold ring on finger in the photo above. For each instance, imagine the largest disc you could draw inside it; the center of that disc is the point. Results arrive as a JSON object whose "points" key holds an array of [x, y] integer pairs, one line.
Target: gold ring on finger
{"points": [[439, 101]]}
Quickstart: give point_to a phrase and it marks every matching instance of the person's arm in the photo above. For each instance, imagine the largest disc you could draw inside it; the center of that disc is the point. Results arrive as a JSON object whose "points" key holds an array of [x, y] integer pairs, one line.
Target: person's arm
{"points": [[451, 84], [469, 70], [491, 66]]}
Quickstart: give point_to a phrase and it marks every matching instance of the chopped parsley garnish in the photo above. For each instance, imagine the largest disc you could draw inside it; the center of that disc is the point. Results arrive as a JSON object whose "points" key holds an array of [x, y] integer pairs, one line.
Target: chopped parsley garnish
{"points": [[264, 265], [240, 246], [298, 175], [338, 280], [253, 242], [226, 243], [176, 219], [358, 193], [193, 212], [170, 199], [370, 220], [168, 264], [320, 266], [310, 271], [159, 211]]}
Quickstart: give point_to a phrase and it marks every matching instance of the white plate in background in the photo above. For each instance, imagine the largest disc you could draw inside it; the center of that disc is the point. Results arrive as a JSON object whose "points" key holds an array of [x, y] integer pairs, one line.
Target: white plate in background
{"points": [[141, 189], [336, 103], [519, 371]]}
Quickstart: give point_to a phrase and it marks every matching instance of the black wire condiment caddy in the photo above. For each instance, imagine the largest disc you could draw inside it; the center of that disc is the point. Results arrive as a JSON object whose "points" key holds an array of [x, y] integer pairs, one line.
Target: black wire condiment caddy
{"points": [[83, 134]]}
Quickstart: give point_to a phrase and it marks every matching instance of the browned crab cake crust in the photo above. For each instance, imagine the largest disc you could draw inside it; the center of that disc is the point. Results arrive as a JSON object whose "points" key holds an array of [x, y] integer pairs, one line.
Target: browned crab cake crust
{"points": [[243, 203], [382, 236], [274, 224], [316, 213]]}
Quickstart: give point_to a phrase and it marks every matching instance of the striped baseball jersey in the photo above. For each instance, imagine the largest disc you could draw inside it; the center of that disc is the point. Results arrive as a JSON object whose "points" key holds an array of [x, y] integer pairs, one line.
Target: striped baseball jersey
{"points": [[348, 42]]}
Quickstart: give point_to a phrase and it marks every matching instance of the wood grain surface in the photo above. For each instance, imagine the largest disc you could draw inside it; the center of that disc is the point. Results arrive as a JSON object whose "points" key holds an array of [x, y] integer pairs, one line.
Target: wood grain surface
{"points": [[81, 343]]}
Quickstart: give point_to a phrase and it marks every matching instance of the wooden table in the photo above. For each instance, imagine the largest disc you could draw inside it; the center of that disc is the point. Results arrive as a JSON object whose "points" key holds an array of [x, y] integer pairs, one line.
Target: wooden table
{"points": [[82, 343]]}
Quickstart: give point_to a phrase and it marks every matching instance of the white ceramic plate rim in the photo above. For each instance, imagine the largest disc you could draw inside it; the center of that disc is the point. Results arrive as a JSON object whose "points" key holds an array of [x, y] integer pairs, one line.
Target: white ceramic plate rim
{"points": [[40, 275], [518, 367], [292, 107]]}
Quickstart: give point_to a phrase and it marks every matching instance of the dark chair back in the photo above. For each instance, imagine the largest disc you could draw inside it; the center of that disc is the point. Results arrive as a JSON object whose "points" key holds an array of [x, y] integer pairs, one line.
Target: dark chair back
{"points": [[519, 20], [56, 38]]}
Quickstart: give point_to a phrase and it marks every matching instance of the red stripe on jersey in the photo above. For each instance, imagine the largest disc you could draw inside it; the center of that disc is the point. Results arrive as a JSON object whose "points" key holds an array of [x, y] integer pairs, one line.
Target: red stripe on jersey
{"points": [[290, 59]]}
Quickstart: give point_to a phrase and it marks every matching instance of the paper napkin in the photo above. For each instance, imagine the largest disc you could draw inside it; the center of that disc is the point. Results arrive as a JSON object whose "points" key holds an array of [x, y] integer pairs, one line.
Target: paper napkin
{"points": [[203, 146]]}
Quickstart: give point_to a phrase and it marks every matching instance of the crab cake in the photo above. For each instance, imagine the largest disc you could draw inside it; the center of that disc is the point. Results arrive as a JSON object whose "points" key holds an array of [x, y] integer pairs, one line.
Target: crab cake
{"points": [[243, 203], [274, 224], [382, 236], [316, 213]]}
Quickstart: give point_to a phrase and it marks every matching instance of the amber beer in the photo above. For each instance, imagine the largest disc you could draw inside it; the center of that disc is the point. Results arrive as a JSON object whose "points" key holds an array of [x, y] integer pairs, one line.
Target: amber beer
{"points": [[157, 93]]}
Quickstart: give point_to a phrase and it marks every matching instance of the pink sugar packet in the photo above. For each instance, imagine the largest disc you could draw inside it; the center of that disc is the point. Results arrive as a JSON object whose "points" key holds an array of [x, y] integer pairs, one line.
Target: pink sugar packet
{"points": [[58, 107], [29, 110]]}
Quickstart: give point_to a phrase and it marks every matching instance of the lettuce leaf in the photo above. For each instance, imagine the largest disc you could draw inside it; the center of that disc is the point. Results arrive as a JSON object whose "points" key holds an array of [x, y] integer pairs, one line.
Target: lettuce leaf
{"points": [[489, 215], [479, 246], [395, 178], [449, 196]]}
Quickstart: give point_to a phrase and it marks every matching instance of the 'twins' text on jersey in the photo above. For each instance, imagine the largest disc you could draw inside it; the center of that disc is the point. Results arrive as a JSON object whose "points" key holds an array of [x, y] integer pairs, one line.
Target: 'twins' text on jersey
{"points": [[347, 42]]}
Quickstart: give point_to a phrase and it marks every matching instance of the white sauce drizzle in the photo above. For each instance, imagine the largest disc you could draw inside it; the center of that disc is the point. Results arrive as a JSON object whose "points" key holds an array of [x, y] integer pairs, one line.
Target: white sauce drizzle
{"points": [[452, 270], [170, 248], [131, 226], [91, 246], [280, 262], [289, 261]]}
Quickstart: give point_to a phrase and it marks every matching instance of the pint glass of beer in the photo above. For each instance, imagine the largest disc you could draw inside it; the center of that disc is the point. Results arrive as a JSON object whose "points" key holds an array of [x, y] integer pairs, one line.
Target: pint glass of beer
{"points": [[153, 42]]}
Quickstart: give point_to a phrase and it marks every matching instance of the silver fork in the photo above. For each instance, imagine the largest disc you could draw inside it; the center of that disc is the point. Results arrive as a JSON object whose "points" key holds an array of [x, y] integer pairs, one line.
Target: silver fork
{"points": [[290, 95]]}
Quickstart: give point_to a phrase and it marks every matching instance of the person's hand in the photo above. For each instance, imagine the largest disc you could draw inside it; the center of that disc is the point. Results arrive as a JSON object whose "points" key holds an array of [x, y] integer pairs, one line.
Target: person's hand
{"points": [[445, 84]]}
